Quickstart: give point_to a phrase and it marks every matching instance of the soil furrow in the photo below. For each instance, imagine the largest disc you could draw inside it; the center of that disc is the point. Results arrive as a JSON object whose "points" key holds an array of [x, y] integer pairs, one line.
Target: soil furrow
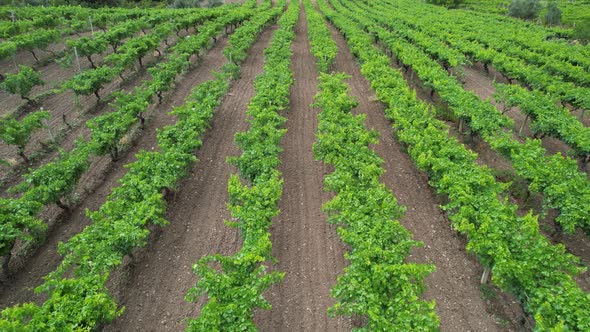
{"points": [[307, 248]]}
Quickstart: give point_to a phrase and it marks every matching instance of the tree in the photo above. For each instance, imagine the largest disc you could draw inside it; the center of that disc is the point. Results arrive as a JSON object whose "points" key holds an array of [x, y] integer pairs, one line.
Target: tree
{"points": [[525, 9], [553, 16], [185, 4], [22, 82], [214, 3], [446, 3], [582, 30], [13, 132]]}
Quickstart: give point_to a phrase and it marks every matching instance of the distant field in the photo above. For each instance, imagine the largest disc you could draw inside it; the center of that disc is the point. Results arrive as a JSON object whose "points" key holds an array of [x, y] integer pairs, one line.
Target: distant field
{"points": [[572, 11]]}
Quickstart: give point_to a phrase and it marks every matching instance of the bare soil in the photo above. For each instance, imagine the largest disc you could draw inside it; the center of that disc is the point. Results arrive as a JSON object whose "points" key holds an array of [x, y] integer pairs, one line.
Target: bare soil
{"points": [[307, 248], [153, 289]]}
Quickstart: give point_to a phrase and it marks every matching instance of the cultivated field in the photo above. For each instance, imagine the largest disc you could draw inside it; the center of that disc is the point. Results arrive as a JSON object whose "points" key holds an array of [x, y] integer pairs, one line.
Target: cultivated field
{"points": [[313, 165]]}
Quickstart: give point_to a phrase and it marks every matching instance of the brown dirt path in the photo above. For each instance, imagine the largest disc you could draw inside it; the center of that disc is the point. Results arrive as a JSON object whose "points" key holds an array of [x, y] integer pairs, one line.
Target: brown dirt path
{"points": [[307, 248], [96, 185], [154, 288], [455, 283]]}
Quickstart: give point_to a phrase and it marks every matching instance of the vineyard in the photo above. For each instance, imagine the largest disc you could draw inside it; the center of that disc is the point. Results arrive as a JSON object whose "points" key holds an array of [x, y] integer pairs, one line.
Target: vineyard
{"points": [[293, 165], [572, 11]]}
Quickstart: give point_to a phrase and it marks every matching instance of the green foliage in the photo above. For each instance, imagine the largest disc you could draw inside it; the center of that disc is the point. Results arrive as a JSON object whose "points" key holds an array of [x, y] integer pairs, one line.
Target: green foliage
{"points": [[48, 184], [563, 187], [9, 29], [136, 49], [117, 34], [164, 74], [18, 133], [377, 284], [88, 46], [237, 290], [78, 296], [323, 47], [522, 260], [525, 9], [79, 313], [107, 131], [22, 82], [546, 117], [518, 50], [38, 40], [90, 81], [243, 37], [582, 30], [235, 284], [45, 185], [52, 182], [7, 49], [553, 15], [17, 223], [446, 3]]}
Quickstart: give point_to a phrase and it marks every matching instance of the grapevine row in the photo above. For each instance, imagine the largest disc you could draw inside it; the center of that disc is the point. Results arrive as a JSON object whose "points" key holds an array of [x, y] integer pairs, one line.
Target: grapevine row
{"points": [[377, 284], [92, 80], [556, 177], [541, 40], [547, 117], [234, 284], [552, 120], [521, 260], [41, 38], [512, 67], [52, 182], [323, 47], [78, 297], [99, 42]]}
